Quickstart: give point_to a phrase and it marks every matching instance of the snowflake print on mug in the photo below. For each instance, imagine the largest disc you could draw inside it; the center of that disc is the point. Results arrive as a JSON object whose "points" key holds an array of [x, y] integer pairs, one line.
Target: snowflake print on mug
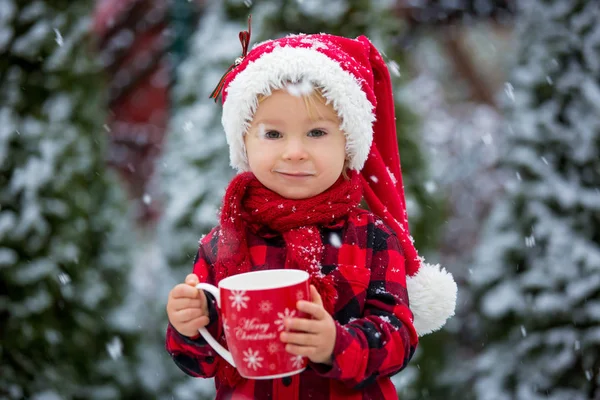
{"points": [[297, 361], [253, 359], [265, 306], [273, 347], [225, 325], [299, 295], [287, 313], [239, 299]]}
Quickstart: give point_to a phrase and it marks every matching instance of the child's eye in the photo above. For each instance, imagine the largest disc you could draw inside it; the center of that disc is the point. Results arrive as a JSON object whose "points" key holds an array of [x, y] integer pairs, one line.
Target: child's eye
{"points": [[317, 133], [272, 135]]}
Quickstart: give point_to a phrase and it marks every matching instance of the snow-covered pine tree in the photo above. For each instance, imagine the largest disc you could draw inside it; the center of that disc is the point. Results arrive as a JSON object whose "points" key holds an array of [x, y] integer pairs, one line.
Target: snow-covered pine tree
{"points": [[194, 171], [62, 217], [195, 165], [536, 278]]}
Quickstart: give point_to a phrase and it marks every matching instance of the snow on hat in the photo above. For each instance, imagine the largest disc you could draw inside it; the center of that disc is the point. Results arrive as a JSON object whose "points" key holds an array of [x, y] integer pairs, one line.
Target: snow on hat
{"points": [[354, 79]]}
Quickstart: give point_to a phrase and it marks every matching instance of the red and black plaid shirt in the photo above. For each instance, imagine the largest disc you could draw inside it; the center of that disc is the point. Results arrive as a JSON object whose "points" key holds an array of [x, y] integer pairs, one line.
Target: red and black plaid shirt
{"points": [[375, 336]]}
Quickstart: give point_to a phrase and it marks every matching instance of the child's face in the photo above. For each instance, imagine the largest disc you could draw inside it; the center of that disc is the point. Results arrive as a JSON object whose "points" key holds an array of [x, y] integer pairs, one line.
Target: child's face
{"points": [[295, 153]]}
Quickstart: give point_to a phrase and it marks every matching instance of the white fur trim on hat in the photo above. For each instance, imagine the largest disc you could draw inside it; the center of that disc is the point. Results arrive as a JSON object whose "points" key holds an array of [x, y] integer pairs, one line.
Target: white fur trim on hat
{"points": [[432, 297], [274, 70]]}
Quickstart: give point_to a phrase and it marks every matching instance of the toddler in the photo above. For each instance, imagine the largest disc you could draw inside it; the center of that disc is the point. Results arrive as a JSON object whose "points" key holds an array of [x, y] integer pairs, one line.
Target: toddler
{"points": [[310, 124]]}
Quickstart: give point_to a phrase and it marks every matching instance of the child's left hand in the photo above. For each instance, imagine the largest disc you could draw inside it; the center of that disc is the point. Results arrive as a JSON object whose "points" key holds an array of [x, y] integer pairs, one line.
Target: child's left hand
{"points": [[315, 338]]}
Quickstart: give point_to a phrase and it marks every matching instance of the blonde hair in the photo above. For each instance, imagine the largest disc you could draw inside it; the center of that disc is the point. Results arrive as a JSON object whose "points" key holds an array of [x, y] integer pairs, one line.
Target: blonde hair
{"points": [[310, 101]]}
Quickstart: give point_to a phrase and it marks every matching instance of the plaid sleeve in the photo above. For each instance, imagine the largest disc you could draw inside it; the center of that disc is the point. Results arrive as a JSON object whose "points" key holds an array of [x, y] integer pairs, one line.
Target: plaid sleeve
{"points": [[383, 341], [193, 355]]}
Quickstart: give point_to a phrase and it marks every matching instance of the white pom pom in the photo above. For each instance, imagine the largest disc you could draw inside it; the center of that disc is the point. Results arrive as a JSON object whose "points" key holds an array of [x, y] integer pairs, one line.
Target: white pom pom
{"points": [[432, 297]]}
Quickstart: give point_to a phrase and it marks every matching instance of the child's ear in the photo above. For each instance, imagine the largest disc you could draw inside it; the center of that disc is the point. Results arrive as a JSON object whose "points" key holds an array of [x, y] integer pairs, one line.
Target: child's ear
{"points": [[345, 169]]}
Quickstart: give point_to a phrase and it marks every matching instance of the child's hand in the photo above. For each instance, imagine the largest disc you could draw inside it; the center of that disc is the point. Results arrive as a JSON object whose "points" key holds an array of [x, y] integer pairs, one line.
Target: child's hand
{"points": [[316, 337], [187, 308]]}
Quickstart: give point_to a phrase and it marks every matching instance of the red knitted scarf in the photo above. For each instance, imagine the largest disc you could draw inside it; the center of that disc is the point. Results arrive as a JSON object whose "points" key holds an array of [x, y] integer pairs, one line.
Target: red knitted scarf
{"points": [[250, 205]]}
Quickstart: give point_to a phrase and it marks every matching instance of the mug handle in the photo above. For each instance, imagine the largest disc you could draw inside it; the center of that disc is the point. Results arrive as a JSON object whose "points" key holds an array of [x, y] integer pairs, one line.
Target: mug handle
{"points": [[223, 352]]}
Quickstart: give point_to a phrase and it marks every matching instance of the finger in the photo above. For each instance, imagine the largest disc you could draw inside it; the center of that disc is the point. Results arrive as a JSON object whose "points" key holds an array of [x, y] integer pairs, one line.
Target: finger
{"points": [[189, 314], [191, 279], [195, 324], [183, 291], [315, 310], [199, 322], [306, 351], [302, 325], [315, 296], [301, 339], [182, 304]]}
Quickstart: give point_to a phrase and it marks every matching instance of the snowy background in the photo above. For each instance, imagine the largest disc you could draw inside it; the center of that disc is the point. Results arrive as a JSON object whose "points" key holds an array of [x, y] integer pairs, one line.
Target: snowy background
{"points": [[113, 163]]}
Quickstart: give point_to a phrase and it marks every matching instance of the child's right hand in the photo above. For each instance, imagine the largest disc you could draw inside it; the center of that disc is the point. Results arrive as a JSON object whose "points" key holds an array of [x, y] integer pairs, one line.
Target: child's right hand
{"points": [[187, 307]]}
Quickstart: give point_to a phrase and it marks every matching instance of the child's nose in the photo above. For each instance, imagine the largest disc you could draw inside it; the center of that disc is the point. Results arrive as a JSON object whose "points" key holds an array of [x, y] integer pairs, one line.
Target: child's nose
{"points": [[295, 151]]}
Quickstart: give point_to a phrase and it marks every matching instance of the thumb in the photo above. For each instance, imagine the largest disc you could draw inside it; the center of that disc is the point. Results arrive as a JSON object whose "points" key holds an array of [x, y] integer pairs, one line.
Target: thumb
{"points": [[191, 280], [315, 296]]}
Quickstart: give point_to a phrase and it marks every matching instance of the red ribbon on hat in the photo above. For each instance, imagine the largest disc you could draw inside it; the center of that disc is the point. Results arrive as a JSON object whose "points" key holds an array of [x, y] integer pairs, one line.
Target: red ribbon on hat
{"points": [[245, 41]]}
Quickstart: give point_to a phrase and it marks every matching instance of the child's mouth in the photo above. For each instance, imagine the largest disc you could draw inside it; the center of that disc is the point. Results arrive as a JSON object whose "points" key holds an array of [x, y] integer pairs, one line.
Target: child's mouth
{"points": [[296, 175]]}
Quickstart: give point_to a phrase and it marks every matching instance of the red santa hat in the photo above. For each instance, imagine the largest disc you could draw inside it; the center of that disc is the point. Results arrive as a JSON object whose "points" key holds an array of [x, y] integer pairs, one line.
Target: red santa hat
{"points": [[354, 79]]}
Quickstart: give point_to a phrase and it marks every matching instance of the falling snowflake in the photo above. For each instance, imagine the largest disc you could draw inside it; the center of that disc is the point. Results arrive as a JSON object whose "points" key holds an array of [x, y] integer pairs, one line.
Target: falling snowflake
{"points": [[115, 348], [335, 240], [262, 131], [64, 278], [530, 241], [430, 186], [297, 361], [300, 89], [188, 126], [523, 331], [265, 306], [239, 299], [59, 39], [273, 347], [392, 176], [509, 90], [394, 68], [488, 139], [283, 316], [253, 359]]}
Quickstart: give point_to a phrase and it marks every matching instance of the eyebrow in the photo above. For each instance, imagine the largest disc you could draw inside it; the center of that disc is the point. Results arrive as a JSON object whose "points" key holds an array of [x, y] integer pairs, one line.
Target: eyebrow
{"points": [[323, 119], [269, 122], [282, 122]]}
